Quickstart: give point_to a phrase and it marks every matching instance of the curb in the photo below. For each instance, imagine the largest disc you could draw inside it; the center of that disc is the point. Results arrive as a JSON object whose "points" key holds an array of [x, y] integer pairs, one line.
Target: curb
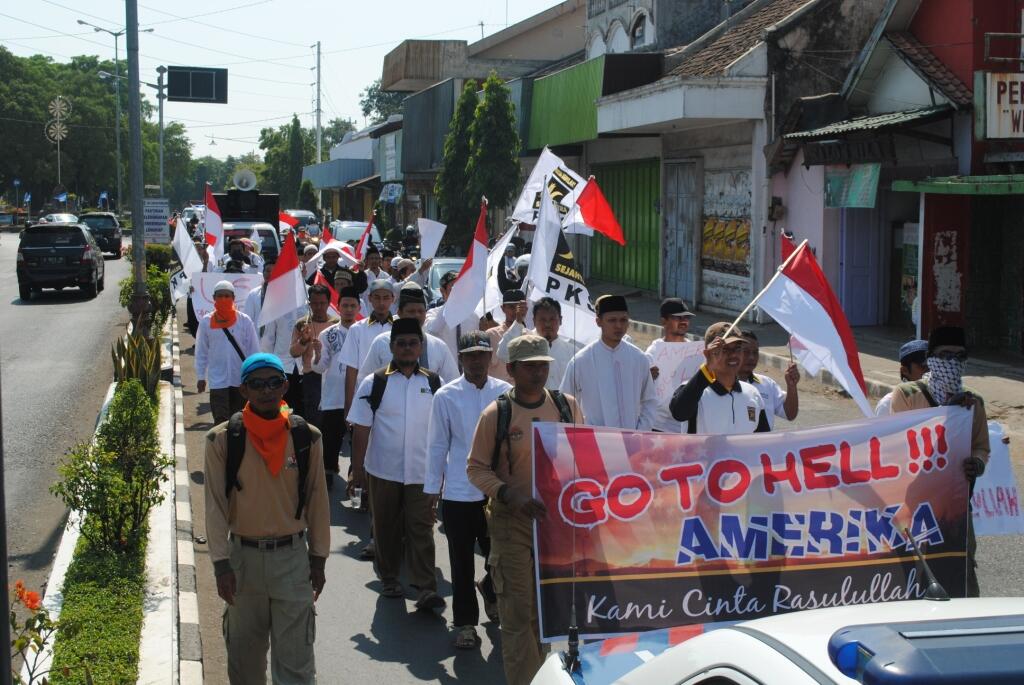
{"points": [[875, 389], [190, 645], [53, 599]]}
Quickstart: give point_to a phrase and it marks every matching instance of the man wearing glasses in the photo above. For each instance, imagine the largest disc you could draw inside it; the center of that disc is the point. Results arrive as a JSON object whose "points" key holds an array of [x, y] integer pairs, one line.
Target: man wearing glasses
{"points": [[943, 386], [268, 524]]}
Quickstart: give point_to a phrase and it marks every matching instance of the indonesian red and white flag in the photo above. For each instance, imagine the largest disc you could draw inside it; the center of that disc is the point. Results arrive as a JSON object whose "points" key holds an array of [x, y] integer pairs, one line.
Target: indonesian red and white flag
{"points": [[285, 289], [468, 289], [800, 299], [787, 245], [286, 221], [213, 225], [347, 256], [364, 240], [593, 211], [326, 236]]}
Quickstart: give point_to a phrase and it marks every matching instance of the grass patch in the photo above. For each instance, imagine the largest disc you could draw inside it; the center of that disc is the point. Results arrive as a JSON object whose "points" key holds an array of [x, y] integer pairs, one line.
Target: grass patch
{"points": [[103, 596]]}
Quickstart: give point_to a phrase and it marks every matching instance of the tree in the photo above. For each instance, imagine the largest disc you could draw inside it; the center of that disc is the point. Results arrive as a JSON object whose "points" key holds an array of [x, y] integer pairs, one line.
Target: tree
{"points": [[296, 160], [493, 167], [458, 206], [335, 130], [379, 104], [278, 172], [307, 196]]}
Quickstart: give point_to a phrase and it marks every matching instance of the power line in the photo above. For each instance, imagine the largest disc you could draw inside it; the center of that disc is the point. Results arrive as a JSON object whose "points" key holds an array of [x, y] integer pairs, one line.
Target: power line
{"points": [[52, 35], [232, 31], [254, 121], [209, 14], [248, 60], [43, 123]]}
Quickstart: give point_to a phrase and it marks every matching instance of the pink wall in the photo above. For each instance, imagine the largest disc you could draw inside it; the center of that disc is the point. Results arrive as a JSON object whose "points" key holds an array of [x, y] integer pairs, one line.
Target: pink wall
{"points": [[945, 27]]}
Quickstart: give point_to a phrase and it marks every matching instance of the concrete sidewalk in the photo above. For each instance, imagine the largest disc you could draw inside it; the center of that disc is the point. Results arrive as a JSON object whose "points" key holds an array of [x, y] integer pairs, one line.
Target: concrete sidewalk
{"points": [[998, 378]]}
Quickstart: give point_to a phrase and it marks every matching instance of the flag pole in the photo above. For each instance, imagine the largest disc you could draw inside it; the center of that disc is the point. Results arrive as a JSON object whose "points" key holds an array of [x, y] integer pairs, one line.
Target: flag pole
{"points": [[778, 273], [483, 207]]}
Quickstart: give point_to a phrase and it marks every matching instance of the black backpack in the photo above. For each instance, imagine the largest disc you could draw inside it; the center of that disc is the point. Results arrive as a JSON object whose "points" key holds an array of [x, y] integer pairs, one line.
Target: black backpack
{"points": [[504, 403], [301, 439], [380, 382]]}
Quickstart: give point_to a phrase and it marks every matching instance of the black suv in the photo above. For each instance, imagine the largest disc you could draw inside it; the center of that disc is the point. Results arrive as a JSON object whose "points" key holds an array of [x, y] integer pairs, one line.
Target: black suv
{"points": [[59, 256], [105, 229]]}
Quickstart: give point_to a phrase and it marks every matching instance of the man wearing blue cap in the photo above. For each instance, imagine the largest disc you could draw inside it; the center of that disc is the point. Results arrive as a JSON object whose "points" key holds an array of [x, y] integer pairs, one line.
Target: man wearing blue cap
{"points": [[268, 525], [913, 367]]}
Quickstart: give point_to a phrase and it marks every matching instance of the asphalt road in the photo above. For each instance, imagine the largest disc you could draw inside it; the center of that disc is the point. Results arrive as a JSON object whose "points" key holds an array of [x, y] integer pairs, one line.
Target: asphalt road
{"points": [[362, 637], [55, 360]]}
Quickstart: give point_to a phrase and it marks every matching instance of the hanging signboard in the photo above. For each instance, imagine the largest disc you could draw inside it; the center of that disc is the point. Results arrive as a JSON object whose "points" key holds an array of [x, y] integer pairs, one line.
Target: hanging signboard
{"points": [[1004, 105], [154, 216], [853, 186]]}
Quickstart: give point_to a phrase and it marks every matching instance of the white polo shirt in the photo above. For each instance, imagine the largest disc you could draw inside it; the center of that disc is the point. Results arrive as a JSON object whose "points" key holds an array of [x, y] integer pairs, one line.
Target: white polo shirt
{"points": [[360, 336], [439, 357], [457, 408], [724, 412], [397, 450], [217, 361], [332, 388], [774, 398]]}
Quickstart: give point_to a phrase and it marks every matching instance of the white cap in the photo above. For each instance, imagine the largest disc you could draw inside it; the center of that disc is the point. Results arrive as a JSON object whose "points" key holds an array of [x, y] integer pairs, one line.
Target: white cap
{"points": [[222, 286], [394, 262]]}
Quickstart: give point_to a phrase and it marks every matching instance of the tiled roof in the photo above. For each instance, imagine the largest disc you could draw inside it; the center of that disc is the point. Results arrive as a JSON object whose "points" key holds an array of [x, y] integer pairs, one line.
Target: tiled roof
{"points": [[874, 122], [713, 59], [929, 65]]}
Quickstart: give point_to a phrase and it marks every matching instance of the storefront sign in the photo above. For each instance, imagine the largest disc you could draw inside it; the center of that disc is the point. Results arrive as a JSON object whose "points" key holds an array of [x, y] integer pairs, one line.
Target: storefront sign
{"points": [[652, 530], [853, 186], [877, 149], [1004, 106]]}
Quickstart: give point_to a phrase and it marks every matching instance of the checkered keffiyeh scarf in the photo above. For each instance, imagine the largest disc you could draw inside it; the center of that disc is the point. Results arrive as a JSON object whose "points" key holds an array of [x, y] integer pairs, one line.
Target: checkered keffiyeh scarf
{"points": [[944, 378]]}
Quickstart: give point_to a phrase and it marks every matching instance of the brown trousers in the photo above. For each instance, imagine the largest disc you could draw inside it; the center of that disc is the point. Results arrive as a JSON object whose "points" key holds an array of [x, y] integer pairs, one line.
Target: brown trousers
{"points": [[512, 572], [402, 512]]}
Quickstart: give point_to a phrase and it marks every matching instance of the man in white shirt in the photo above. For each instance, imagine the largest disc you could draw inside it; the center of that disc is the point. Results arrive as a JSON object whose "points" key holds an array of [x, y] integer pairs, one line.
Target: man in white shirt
{"points": [[362, 333], [436, 325], [277, 339], [913, 367], [611, 378], [225, 338], [235, 260], [515, 309], [435, 357], [547, 322], [715, 401], [253, 304], [457, 408], [328, 364], [777, 402], [675, 322], [389, 456]]}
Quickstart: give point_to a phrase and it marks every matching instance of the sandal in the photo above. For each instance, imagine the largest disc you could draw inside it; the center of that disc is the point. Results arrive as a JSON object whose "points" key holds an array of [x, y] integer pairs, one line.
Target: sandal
{"points": [[368, 552], [392, 589], [490, 603], [467, 638]]}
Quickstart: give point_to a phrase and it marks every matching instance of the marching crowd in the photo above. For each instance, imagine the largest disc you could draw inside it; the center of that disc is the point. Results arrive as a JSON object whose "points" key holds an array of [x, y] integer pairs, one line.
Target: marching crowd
{"points": [[439, 421]]}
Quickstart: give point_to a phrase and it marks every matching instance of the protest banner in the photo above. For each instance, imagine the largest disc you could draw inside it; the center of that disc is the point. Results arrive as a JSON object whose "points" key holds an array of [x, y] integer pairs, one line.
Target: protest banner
{"points": [[203, 284], [651, 530], [995, 505], [676, 362]]}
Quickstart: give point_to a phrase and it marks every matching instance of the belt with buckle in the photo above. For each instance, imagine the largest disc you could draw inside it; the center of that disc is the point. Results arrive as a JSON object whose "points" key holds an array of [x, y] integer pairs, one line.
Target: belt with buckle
{"points": [[268, 544]]}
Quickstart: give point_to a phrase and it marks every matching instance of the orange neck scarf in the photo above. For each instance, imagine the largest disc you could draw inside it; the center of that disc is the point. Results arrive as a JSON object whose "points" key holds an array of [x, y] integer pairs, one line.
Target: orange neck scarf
{"points": [[224, 314], [268, 436]]}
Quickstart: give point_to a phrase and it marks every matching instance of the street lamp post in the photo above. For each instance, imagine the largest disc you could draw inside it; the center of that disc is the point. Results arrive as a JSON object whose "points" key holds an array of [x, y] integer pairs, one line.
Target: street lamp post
{"points": [[117, 98], [140, 307], [161, 96]]}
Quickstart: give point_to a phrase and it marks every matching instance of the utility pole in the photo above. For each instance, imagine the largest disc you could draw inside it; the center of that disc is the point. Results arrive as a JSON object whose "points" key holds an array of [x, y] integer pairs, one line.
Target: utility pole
{"points": [[161, 96], [117, 119], [319, 129], [140, 305], [5, 626]]}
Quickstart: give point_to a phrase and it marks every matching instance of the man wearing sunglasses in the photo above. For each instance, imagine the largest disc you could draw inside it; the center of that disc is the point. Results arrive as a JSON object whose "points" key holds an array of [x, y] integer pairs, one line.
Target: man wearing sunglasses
{"points": [[268, 524], [943, 386]]}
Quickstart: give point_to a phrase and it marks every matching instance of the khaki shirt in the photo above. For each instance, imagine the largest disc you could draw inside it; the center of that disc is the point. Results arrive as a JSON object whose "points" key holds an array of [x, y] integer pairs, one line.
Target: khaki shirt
{"points": [[515, 457], [265, 506], [498, 369], [909, 396]]}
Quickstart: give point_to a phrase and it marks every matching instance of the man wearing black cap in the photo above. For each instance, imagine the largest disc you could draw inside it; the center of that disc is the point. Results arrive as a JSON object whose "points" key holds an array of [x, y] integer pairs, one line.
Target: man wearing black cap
{"points": [[715, 401], [675, 322], [514, 307], [371, 264], [381, 295], [943, 385], [913, 367], [435, 354], [611, 378], [327, 362], [446, 283], [456, 410], [784, 404], [390, 416]]}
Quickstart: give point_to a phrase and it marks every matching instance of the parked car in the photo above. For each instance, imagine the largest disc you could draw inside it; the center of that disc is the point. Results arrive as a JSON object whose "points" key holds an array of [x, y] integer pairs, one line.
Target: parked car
{"points": [[105, 229], [188, 212], [959, 641], [270, 248], [352, 231], [305, 217], [59, 219], [59, 255], [440, 267]]}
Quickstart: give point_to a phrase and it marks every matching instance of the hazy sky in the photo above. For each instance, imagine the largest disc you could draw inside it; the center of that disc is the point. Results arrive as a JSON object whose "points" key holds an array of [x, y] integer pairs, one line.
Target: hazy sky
{"points": [[265, 45]]}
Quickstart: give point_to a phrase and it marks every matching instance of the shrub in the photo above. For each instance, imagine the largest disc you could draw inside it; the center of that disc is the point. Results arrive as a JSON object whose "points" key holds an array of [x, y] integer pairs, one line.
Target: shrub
{"points": [[158, 285], [115, 480], [160, 256], [136, 356]]}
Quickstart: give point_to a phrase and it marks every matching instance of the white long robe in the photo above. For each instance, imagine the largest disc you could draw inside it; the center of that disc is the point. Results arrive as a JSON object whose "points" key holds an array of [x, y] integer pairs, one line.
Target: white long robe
{"points": [[613, 386]]}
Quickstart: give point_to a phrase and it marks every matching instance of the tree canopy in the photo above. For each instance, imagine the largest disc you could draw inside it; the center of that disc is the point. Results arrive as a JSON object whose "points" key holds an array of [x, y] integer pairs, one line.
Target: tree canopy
{"points": [[379, 104], [458, 207]]}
